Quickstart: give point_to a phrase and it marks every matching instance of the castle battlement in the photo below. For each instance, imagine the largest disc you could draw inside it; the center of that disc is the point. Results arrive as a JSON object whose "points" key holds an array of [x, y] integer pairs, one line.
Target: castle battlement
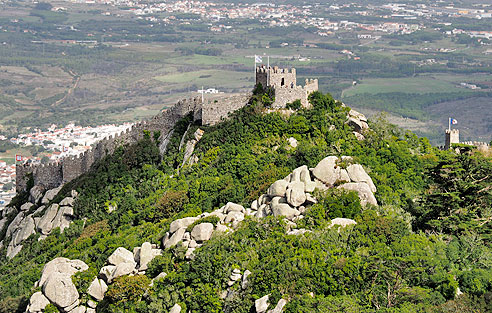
{"points": [[284, 84], [56, 173], [451, 136], [476, 143]]}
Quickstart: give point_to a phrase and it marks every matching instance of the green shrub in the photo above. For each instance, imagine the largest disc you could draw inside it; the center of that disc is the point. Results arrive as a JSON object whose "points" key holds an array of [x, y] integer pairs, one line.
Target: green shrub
{"points": [[51, 308], [128, 288], [295, 105], [170, 203], [161, 263], [213, 219]]}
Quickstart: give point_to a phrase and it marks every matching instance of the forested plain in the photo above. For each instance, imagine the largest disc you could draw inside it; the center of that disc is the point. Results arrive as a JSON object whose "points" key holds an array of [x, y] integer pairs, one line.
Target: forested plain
{"points": [[425, 248]]}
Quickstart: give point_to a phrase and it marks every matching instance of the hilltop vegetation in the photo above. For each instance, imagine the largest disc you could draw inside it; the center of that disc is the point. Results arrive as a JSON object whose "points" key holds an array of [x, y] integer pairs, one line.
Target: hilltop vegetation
{"points": [[425, 248]]}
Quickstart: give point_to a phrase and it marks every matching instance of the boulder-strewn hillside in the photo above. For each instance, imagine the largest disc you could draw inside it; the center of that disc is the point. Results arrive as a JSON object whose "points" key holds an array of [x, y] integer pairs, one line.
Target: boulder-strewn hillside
{"points": [[314, 210]]}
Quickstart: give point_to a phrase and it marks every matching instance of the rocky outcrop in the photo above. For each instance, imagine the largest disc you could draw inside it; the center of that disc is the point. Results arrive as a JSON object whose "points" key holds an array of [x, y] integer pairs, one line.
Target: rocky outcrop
{"points": [[175, 309], [123, 262], [174, 239], [28, 220], [234, 277], [290, 196], [261, 305], [121, 255], [50, 195], [57, 286], [97, 289], [342, 222], [363, 190], [37, 302], [358, 122], [144, 256], [327, 170], [202, 232], [61, 265], [279, 307], [190, 148], [245, 281], [60, 290], [278, 188], [357, 174], [181, 223], [36, 193]]}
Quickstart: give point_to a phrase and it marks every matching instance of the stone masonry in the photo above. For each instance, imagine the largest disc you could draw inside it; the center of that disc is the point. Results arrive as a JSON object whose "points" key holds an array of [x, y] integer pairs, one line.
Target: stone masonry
{"points": [[284, 84]]}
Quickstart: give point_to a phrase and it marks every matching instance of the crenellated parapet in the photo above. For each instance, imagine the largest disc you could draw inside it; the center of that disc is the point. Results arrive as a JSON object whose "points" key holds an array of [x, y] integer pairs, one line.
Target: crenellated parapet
{"points": [[214, 110], [284, 84], [54, 174]]}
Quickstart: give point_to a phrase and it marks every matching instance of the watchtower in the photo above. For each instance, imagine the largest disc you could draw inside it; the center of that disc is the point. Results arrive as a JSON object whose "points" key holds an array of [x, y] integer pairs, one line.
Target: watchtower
{"points": [[275, 77], [452, 136], [284, 84]]}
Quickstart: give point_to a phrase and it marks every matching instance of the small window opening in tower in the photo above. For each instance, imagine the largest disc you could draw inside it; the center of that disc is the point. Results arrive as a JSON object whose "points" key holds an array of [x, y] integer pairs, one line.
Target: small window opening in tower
{"points": [[283, 82]]}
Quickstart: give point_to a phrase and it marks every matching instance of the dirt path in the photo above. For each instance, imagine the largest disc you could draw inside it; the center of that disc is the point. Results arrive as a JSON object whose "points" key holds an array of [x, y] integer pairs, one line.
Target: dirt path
{"points": [[75, 83]]}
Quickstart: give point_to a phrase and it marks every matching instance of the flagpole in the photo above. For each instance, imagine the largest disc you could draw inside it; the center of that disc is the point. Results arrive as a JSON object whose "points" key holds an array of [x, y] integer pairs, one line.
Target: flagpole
{"points": [[255, 65], [449, 122], [268, 70]]}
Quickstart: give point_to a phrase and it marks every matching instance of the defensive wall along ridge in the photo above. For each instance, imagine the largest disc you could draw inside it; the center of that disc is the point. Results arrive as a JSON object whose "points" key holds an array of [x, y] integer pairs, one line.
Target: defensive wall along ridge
{"points": [[282, 81], [54, 174]]}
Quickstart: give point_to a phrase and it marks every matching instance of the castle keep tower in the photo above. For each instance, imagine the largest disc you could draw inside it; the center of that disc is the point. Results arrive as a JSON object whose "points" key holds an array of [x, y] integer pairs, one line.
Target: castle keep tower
{"points": [[452, 136], [284, 84]]}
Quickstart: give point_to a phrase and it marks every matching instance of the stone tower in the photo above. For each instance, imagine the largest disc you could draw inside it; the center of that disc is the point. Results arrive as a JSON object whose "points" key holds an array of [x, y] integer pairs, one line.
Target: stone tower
{"points": [[275, 77], [284, 84], [452, 136]]}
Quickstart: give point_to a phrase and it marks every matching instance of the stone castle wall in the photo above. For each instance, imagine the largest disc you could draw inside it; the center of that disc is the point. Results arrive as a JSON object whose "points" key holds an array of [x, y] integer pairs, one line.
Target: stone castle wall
{"points": [[286, 95], [284, 84], [211, 112], [214, 110], [275, 77], [452, 136], [54, 174]]}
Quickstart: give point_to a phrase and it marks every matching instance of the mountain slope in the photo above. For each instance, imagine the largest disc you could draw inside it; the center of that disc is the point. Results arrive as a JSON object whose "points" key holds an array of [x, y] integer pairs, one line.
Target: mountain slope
{"points": [[414, 252]]}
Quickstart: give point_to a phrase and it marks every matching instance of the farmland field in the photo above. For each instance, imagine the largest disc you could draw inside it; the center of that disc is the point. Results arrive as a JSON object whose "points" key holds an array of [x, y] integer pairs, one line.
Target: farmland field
{"points": [[419, 84]]}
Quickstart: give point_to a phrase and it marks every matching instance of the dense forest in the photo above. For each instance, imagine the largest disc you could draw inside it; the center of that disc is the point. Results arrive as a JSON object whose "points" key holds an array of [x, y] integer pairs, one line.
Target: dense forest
{"points": [[425, 248]]}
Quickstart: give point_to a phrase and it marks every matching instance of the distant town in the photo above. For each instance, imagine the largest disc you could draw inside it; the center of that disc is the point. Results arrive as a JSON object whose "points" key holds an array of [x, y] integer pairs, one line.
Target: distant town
{"points": [[58, 142], [217, 14]]}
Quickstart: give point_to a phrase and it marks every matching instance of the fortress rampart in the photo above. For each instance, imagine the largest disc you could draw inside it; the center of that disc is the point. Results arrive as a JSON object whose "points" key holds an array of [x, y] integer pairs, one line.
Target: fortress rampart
{"points": [[214, 110], [54, 174], [210, 112]]}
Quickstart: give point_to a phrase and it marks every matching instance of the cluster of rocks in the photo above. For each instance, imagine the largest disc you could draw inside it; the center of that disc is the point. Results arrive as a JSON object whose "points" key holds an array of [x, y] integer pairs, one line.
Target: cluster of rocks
{"points": [[261, 305], [190, 148], [358, 122], [287, 197], [199, 234], [290, 196], [37, 216], [123, 262], [57, 287]]}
